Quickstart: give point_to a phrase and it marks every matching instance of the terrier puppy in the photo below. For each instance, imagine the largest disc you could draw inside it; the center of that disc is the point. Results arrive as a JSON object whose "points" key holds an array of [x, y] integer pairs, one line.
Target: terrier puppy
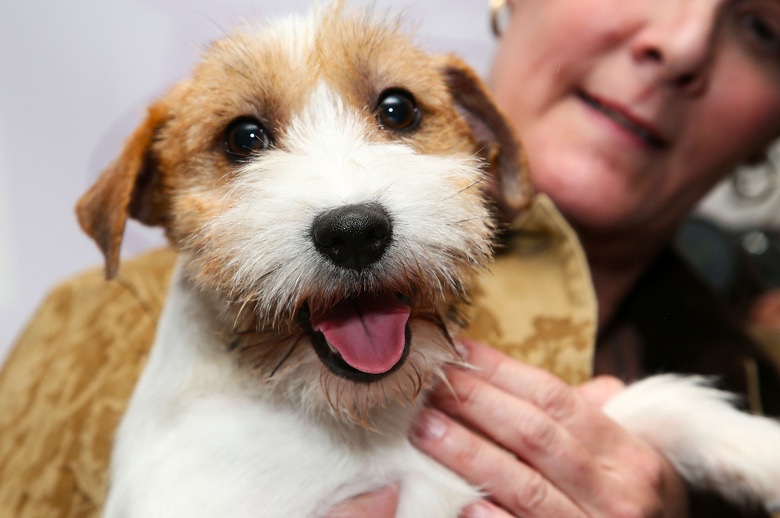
{"points": [[323, 182]]}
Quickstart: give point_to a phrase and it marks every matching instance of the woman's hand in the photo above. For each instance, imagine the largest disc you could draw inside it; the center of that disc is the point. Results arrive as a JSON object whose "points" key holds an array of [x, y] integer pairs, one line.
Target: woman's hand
{"points": [[378, 504], [540, 448]]}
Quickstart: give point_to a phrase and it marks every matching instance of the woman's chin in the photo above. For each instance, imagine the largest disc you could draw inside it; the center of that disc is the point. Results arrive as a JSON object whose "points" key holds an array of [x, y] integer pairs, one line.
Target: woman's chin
{"points": [[615, 210]]}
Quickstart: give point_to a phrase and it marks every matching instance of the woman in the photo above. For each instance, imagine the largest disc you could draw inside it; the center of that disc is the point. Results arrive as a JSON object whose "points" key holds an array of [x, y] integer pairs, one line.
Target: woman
{"points": [[630, 112]]}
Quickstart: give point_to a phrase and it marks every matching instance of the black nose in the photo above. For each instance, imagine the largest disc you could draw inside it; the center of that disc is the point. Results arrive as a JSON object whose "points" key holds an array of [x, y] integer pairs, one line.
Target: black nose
{"points": [[353, 236]]}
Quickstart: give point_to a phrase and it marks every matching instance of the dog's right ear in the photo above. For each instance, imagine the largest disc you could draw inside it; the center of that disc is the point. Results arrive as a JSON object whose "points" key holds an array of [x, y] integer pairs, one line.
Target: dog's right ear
{"points": [[509, 182], [126, 188]]}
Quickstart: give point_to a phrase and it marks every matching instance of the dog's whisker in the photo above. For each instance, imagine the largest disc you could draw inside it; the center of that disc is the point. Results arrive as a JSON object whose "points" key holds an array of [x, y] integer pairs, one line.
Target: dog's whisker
{"points": [[473, 184], [383, 397], [420, 382], [350, 407], [362, 408], [463, 221], [408, 395], [239, 313], [286, 357], [328, 393], [443, 378], [245, 332]]}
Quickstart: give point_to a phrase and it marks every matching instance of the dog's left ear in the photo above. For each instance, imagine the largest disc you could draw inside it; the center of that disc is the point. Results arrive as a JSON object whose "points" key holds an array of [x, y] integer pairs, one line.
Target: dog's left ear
{"points": [[126, 188], [510, 184]]}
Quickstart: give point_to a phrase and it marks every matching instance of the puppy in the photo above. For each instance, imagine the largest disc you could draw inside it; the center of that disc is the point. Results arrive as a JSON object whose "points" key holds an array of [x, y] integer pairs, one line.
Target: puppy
{"points": [[324, 183]]}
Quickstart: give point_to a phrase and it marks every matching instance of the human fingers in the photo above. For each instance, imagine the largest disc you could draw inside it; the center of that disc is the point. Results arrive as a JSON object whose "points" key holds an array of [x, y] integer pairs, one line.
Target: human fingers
{"points": [[542, 389], [601, 389], [523, 430], [483, 509], [625, 474], [513, 485], [377, 504]]}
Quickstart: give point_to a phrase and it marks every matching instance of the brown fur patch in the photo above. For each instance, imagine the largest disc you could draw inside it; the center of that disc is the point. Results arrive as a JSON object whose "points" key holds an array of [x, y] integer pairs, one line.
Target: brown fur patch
{"points": [[102, 211]]}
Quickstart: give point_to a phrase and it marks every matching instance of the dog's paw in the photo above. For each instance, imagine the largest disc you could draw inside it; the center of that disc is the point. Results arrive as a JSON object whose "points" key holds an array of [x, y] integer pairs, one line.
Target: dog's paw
{"points": [[712, 445]]}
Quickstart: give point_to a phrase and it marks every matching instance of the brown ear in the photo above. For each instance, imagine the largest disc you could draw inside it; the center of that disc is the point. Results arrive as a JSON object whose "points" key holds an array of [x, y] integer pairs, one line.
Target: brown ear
{"points": [[510, 183], [125, 188]]}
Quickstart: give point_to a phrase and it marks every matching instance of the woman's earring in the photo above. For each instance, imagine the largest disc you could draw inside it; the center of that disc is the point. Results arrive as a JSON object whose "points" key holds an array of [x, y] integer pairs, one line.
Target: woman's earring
{"points": [[755, 184], [499, 12]]}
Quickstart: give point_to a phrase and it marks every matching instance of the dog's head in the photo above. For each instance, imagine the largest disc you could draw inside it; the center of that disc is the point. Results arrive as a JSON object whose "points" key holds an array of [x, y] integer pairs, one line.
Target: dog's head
{"points": [[325, 179]]}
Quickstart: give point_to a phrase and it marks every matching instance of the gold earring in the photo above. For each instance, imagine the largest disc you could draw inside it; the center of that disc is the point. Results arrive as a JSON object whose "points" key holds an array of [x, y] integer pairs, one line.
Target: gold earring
{"points": [[496, 10]]}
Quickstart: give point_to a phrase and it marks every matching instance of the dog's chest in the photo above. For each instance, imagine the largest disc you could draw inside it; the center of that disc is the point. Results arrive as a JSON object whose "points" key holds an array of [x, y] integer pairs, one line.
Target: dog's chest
{"points": [[197, 442], [243, 457]]}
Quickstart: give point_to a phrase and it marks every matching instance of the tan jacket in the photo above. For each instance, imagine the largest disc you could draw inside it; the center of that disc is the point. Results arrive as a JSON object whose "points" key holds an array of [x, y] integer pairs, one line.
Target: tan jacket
{"points": [[68, 380]]}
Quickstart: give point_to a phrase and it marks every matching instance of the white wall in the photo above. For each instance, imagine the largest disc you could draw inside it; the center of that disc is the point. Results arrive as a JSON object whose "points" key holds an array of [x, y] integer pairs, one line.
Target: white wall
{"points": [[75, 77]]}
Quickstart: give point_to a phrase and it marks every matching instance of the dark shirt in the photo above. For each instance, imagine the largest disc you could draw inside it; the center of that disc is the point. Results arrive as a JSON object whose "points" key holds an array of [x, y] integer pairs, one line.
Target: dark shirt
{"points": [[682, 326]]}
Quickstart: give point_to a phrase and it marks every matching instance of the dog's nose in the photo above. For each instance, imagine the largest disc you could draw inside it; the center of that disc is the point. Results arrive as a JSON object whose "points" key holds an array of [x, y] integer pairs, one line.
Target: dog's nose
{"points": [[353, 236]]}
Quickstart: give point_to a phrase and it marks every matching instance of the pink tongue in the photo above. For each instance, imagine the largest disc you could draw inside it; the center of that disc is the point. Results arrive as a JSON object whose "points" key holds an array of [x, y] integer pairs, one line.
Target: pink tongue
{"points": [[368, 332]]}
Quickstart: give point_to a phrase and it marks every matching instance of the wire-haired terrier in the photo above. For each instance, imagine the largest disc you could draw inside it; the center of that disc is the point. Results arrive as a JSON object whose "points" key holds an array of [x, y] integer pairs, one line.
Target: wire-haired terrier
{"points": [[324, 182]]}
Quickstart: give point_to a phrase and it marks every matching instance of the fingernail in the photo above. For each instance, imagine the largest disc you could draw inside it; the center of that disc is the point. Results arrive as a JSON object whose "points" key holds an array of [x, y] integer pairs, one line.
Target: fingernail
{"points": [[429, 425], [478, 509]]}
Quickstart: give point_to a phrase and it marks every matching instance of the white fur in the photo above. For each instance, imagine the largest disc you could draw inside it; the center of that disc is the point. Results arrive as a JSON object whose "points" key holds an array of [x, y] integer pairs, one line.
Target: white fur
{"points": [[711, 444], [202, 439]]}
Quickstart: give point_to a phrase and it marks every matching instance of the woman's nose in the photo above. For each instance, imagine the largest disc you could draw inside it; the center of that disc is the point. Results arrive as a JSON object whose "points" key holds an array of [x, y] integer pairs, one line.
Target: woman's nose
{"points": [[678, 43]]}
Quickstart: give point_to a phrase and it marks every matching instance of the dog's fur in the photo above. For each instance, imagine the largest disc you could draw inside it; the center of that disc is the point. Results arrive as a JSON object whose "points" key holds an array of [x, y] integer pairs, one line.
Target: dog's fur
{"points": [[238, 413]]}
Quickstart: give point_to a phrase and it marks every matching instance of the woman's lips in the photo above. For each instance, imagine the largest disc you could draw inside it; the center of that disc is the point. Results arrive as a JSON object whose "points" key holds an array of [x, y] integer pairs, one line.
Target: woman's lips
{"points": [[642, 130]]}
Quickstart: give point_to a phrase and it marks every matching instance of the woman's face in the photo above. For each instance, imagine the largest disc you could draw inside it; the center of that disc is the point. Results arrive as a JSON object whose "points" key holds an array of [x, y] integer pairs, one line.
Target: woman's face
{"points": [[630, 110]]}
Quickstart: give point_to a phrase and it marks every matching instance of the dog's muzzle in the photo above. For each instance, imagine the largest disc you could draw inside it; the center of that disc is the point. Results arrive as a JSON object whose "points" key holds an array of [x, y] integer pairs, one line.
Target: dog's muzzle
{"points": [[365, 337]]}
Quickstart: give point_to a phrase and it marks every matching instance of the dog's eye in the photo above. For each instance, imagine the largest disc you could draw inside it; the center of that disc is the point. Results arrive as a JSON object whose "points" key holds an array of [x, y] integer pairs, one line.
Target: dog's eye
{"points": [[245, 136], [398, 110]]}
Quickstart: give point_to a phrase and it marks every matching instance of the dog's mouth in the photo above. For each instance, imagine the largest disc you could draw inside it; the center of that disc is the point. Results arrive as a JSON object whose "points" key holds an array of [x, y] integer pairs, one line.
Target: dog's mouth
{"points": [[362, 338]]}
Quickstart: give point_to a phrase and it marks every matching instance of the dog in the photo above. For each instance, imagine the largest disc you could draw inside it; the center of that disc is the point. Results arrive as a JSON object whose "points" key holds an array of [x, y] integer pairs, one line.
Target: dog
{"points": [[325, 184]]}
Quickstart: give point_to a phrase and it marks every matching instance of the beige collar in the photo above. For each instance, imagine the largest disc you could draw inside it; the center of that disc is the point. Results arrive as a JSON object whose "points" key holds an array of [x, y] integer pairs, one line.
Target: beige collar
{"points": [[538, 304]]}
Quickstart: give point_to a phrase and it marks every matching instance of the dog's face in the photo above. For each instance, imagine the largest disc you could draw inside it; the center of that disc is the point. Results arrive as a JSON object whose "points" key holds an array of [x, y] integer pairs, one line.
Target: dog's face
{"points": [[325, 181]]}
